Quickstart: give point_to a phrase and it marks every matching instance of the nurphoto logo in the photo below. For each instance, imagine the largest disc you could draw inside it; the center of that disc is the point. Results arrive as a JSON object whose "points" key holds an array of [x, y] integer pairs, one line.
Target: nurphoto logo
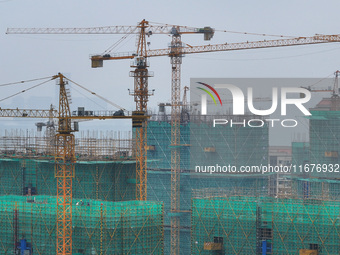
{"points": [[239, 99], [278, 95]]}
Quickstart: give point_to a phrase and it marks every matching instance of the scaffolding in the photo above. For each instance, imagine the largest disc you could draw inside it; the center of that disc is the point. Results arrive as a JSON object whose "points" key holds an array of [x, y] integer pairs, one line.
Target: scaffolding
{"points": [[159, 189], [104, 180], [224, 224], [105, 167], [315, 188], [105, 172], [159, 150], [300, 153], [308, 224], [99, 227], [225, 145], [203, 145], [325, 136], [109, 145], [244, 221]]}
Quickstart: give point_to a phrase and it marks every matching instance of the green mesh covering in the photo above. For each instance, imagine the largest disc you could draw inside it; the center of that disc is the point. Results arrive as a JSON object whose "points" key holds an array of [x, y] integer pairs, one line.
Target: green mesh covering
{"points": [[316, 189], [159, 139], [298, 224], [300, 153], [287, 225], [233, 219], [324, 138], [99, 227], [159, 189], [201, 145], [105, 180], [237, 145], [204, 145]]}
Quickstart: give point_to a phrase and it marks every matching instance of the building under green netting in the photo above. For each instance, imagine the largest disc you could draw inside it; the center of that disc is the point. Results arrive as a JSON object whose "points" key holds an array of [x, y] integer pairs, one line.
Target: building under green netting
{"points": [[224, 145], [263, 225], [300, 153], [231, 222], [305, 224], [204, 145], [159, 150], [99, 227], [104, 180], [324, 135], [315, 188], [159, 189]]}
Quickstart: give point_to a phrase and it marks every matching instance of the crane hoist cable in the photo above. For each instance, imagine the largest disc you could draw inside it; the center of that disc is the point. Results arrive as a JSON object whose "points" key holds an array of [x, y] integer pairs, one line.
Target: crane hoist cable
{"points": [[250, 33], [73, 88], [37, 85], [115, 45], [321, 80], [19, 82], [53, 78], [95, 94]]}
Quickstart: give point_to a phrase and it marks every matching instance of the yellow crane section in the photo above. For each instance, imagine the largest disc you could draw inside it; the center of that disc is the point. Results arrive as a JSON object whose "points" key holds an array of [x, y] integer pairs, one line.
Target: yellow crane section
{"points": [[28, 113], [317, 39]]}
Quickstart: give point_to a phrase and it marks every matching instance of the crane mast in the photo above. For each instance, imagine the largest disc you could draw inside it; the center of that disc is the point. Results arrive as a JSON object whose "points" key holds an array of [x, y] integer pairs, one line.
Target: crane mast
{"points": [[141, 97], [64, 172], [176, 61]]}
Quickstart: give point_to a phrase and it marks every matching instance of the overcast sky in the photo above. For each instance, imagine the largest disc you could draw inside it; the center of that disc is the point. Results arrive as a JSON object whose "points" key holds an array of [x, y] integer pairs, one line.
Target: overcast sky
{"points": [[24, 57]]}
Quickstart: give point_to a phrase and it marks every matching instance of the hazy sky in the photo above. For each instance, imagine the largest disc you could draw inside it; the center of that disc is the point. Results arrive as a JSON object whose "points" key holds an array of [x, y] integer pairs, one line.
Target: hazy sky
{"points": [[24, 57]]}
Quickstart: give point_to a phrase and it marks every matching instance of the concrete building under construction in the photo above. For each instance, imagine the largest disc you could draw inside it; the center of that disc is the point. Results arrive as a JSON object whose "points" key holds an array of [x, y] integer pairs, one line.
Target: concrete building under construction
{"points": [[202, 145], [221, 213], [106, 217], [301, 220]]}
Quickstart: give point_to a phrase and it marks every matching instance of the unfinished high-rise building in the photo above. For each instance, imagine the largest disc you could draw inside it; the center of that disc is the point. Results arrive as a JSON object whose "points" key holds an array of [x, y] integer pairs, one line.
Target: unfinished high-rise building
{"points": [[201, 146], [107, 219]]}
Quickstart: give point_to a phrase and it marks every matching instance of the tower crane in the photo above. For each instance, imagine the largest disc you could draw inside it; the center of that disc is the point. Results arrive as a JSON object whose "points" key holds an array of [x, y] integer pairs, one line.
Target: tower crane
{"points": [[334, 91], [140, 75], [176, 51], [64, 163], [334, 100], [64, 156]]}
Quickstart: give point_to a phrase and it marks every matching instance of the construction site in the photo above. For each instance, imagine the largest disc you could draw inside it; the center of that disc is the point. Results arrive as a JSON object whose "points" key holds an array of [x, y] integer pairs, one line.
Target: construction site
{"points": [[64, 190]]}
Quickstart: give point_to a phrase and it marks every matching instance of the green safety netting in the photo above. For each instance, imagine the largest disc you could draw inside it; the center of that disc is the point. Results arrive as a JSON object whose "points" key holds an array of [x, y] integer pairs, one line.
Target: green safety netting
{"points": [[287, 225], [105, 180], [99, 227]]}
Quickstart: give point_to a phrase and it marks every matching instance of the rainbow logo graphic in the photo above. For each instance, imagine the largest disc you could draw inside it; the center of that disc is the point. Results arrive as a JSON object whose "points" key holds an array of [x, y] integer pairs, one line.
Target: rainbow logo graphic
{"points": [[209, 93]]}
